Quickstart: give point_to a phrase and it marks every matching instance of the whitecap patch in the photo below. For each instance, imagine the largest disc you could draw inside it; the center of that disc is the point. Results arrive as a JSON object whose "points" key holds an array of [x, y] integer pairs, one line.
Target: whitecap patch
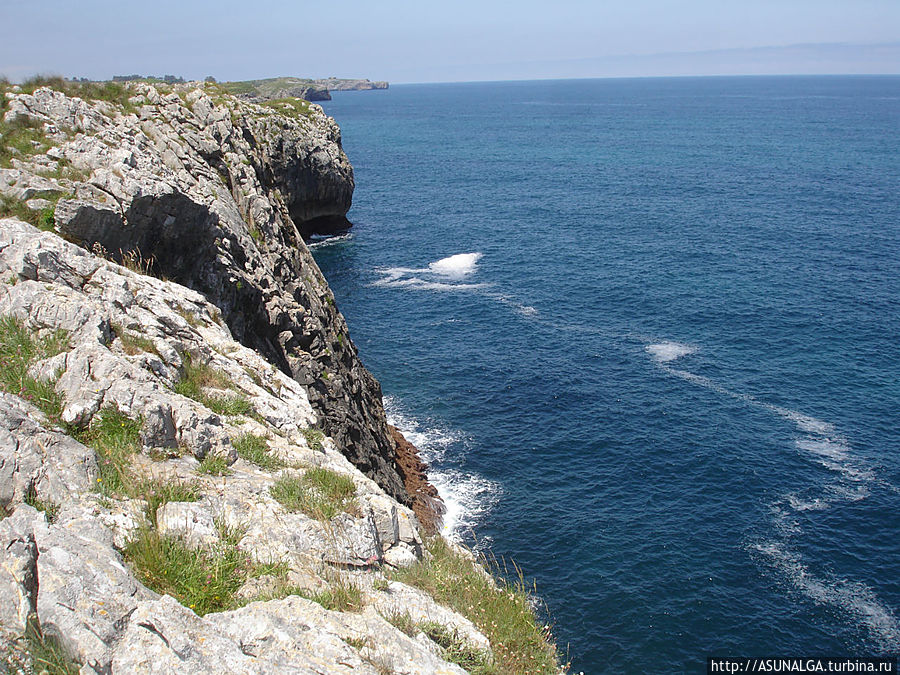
{"points": [[441, 275], [664, 352], [456, 266], [329, 241]]}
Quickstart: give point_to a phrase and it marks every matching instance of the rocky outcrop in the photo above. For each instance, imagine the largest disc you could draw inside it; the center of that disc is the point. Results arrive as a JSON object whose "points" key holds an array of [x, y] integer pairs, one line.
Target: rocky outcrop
{"points": [[129, 341], [217, 194], [338, 84]]}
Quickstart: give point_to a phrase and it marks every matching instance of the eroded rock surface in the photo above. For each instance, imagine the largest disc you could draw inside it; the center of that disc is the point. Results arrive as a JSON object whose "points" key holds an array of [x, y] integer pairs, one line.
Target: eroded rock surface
{"points": [[129, 341], [216, 194]]}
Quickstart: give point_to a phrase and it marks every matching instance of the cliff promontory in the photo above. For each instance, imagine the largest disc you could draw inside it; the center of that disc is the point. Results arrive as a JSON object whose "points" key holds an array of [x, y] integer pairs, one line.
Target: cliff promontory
{"points": [[196, 474]]}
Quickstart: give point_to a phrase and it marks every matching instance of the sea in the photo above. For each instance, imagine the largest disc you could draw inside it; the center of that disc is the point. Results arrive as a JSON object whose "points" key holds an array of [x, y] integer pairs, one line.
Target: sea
{"points": [[646, 333]]}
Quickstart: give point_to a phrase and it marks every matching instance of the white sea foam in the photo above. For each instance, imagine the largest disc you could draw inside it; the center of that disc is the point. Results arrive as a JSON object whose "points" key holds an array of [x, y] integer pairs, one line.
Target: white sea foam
{"points": [[664, 352], [800, 504], [330, 241], [467, 496], [456, 266], [852, 597], [441, 275]]}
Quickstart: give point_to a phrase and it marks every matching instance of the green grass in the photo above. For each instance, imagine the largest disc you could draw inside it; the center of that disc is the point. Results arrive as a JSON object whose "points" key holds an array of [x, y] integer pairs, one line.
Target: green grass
{"points": [[296, 108], [254, 449], [115, 438], [49, 509], [157, 492], [501, 612], [319, 493], [111, 92], [200, 376], [133, 344], [43, 219], [340, 597], [214, 465], [46, 654], [455, 649], [314, 438], [21, 138], [205, 580], [19, 349]]}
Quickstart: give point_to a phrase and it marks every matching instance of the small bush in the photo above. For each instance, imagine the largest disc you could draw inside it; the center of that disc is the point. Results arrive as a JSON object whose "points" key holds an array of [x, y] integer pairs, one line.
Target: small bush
{"points": [[254, 449], [319, 493]]}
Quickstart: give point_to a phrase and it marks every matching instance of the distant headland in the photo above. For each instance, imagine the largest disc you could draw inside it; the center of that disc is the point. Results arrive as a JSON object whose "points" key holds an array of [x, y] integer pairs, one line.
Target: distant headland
{"points": [[274, 87]]}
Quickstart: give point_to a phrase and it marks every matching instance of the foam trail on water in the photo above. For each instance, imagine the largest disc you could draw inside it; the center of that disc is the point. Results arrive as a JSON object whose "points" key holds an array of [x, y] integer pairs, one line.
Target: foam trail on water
{"points": [[851, 597], [849, 482], [467, 497], [441, 275], [329, 241]]}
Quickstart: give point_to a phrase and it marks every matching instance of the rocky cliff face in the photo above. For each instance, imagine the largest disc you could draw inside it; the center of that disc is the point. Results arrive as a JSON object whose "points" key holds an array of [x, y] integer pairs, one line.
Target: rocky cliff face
{"points": [[217, 195], [196, 474], [148, 429]]}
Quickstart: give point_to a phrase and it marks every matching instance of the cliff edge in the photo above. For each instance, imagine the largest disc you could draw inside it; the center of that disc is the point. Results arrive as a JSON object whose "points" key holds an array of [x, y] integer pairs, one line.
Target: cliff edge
{"points": [[196, 474]]}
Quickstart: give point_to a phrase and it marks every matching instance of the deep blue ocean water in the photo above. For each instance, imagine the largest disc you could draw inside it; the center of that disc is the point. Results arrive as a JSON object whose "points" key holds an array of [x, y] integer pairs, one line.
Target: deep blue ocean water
{"points": [[647, 333]]}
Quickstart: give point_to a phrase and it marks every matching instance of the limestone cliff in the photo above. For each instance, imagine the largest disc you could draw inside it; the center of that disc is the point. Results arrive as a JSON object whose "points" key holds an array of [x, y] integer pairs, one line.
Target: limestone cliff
{"points": [[196, 474], [217, 194]]}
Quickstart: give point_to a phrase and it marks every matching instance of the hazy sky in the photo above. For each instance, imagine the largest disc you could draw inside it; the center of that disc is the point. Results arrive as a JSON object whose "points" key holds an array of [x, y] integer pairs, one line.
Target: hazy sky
{"points": [[421, 41]]}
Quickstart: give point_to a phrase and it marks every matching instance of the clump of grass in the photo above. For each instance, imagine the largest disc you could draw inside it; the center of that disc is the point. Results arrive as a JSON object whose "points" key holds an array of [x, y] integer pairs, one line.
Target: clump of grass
{"points": [[46, 654], [319, 493], [188, 316], [296, 108], [404, 623], [111, 92], [158, 492], [19, 349], [314, 438], [20, 138], [340, 597], [214, 465], [200, 376], [501, 612], [116, 438], [254, 449], [133, 344], [205, 580], [134, 260], [455, 649], [49, 509], [43, 219]]}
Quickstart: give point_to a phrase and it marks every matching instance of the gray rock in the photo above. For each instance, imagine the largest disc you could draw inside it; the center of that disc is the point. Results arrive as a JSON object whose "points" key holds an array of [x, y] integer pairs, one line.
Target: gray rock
{"points": [[33, 459], [18, 570]]}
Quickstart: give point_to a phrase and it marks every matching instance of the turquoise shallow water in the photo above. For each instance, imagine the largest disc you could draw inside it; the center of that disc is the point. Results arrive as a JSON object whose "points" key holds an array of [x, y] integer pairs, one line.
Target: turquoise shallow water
{"points": [[647, 332]]}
